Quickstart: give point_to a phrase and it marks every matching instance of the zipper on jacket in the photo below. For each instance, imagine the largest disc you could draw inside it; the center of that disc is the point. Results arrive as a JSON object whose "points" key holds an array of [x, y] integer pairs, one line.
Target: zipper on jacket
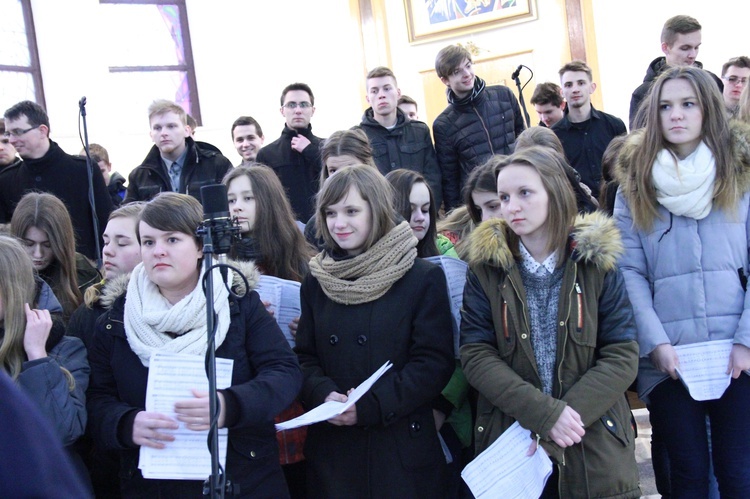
{"points": [[504, 313], [487, 132], [579, 325], [565, 337]]}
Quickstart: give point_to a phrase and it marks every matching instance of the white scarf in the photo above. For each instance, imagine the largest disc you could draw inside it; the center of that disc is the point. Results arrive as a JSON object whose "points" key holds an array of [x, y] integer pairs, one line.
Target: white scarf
{"points": [[685, 187], [152, 324]]}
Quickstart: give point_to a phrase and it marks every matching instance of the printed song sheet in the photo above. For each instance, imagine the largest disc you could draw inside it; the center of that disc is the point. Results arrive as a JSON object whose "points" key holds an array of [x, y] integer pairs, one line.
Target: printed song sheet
{"points": [[455, 274], [172, 377], [284, 298], [504, 469], [327, 410], [703, 368]]}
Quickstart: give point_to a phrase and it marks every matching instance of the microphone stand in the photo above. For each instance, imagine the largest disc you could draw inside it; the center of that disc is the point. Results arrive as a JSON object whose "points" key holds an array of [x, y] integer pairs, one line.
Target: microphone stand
{"points": [[515, 77], [215, 485], [89, 170]]}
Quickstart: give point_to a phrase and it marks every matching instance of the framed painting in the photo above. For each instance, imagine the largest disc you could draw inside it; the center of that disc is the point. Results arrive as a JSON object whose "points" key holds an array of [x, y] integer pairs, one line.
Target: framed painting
{"points": [[432, 19]]}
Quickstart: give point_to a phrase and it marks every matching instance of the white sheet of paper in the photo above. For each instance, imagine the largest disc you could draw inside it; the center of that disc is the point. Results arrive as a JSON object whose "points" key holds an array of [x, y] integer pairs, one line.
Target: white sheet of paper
{"points": [[171, 377], [327, 410], [504, 469], [703, 368], [455, 275], [284, 298]]}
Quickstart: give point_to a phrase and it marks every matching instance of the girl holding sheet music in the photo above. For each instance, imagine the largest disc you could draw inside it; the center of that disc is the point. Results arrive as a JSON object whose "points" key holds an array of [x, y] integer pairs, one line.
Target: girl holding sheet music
{"points": [[162, 308], [368, 299], [272, 240], [547, 333], [683, 208]]}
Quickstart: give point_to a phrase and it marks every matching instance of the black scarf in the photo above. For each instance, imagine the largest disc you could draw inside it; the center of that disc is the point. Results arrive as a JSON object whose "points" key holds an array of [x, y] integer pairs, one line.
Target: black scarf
{"points": [[478, 89]]}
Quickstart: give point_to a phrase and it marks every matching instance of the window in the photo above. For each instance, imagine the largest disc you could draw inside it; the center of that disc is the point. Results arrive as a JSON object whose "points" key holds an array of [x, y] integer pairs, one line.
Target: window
{"points": [[19, 57], [150, 55]]}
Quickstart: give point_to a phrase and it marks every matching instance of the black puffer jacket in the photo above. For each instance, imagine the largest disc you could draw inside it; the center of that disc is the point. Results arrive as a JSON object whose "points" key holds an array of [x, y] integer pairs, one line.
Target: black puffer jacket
{"points": [[466, 135], [202, 167], [407, 145], [657, 67]]}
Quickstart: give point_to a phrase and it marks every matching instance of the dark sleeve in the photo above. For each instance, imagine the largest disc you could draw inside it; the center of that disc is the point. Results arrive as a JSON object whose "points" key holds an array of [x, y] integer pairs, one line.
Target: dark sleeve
{"points": [[277, 377], [616, 319], [260, 158], [316, 385], [635, 101], [110, 419], [132, 190], [450, 169], [431, 170], [102, 200], [223, 165], [476, 314], [430, 361], [6, 211]]}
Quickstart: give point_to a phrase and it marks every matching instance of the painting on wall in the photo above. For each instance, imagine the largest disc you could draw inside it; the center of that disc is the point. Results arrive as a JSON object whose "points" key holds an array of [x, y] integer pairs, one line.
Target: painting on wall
{"points": [[432, 19]]}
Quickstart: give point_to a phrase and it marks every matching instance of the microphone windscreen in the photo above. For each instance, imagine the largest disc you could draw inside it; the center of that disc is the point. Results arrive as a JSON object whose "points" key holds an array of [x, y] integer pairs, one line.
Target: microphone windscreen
{"points": [[214, 200]]}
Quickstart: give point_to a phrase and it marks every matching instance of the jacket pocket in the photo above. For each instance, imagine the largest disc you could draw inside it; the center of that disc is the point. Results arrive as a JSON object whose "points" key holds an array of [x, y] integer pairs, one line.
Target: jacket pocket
{"points": [[619, 423], [253, 447]]}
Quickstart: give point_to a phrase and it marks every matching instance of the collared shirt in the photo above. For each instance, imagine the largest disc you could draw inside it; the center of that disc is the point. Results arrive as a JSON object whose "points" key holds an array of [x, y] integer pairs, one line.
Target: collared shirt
{"points": [[532, 266], [584, 144], [174, 169]]}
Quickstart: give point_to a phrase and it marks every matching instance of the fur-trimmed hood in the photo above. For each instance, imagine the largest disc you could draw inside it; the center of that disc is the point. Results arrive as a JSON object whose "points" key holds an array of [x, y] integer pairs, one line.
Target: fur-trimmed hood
{"points": [[594, 239], [740, 145], [116, 287]]}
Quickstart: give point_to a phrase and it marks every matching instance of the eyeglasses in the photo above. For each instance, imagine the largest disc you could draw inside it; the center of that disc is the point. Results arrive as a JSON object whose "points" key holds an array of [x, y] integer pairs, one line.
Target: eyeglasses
{"points": [[733, 80], [18, 132], [294, 105]]}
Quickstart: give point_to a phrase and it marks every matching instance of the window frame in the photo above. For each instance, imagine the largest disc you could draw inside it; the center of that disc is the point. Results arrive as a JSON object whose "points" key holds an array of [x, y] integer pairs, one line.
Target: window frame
{"points": [[34, 69]]}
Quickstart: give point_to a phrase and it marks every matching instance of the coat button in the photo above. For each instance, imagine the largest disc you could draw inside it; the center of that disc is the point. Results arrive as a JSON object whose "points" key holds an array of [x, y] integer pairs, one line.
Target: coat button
{"points": [[524, 336], [333, 339], [480, 429], [252, 453], [361, 339], [415, 426], [108, 326], [562, 323]]}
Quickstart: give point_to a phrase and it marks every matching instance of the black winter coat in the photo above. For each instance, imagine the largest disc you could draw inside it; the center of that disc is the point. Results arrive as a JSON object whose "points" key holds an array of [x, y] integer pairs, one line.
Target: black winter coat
{"points": [[393, 450], [202, 167], [407, 145], [265, 379], [299, 172], [66, 177], [468, 135]]}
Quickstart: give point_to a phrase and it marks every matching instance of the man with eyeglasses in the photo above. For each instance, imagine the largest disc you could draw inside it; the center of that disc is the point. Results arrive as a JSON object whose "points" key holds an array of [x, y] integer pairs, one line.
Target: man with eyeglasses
{"points": [[735, 73], [8, 155], [680, 42], [47, 168], [295, 156], [479, 122]]}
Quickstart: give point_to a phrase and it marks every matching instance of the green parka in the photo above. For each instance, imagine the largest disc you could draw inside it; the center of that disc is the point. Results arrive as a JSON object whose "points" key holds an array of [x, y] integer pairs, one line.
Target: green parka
{"points": [[597, 355]]}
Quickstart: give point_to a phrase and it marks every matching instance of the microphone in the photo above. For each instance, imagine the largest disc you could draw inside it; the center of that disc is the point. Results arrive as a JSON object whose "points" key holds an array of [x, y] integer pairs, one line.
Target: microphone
{"points": [[516, 72], [217, 222], [82, 106]]}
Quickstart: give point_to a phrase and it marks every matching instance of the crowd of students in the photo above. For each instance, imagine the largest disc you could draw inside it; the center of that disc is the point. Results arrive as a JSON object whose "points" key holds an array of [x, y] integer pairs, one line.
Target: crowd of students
{"points": [[567, 300]]}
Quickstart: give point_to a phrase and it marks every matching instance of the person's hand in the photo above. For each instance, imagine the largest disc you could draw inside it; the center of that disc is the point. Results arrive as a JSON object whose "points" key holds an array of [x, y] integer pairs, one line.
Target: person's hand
{"points": [[739, 360], [299, 143], [665, 359], [568, 430], [439, 418], [346, 418], [147, 429], [196, 413], [269, 307], [293, 327], [38, 326]]}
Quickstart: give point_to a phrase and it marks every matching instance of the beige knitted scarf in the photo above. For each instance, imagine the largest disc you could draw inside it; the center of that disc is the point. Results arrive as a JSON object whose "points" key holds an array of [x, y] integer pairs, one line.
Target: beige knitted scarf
{"points": [[368, 276]]}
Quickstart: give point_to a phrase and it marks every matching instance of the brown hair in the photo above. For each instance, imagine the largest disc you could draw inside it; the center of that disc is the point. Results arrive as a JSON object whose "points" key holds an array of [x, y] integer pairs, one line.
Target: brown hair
{"points": [[539, 136], [405, 99], [247, 121], [49, 214], [173, 212], [449, 58], [284, 253], [574, 66], [352, 142], [678, 25], [483, 179], [380, 72], [738, 62], [715, 134], [373, 188], [304, 87], [403, 181], [562, 208], [547, 93]]}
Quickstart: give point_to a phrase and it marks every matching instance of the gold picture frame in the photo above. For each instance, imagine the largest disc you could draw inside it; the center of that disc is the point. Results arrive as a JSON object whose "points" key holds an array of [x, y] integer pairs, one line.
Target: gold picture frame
{"points": [[434, 19]]}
